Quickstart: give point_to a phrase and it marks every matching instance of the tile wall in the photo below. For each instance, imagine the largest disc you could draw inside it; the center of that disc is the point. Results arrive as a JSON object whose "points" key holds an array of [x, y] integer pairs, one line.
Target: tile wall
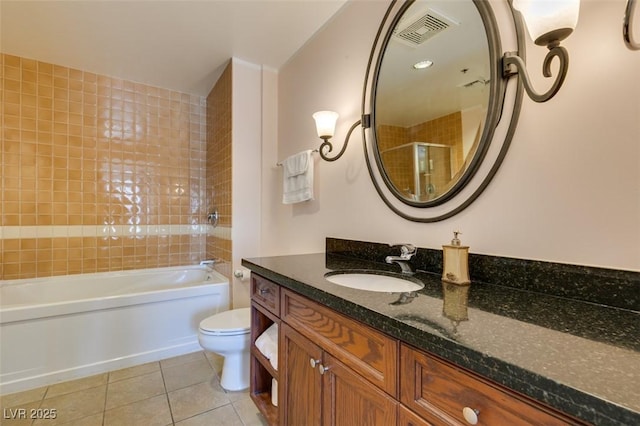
{"points": [[218, 170], [98, 173], [446, 130]]}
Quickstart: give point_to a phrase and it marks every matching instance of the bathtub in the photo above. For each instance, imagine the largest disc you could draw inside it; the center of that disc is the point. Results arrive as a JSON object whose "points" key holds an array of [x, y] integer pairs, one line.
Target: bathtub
{"points": [[60, 328]]}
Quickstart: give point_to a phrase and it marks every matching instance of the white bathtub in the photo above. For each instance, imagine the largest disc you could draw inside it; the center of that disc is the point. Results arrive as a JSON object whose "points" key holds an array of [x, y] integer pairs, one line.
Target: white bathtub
{"points": [[60, 328]]}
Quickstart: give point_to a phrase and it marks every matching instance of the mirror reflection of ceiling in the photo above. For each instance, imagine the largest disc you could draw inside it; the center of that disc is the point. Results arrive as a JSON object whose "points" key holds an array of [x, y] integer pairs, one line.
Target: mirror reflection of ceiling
{"points": [[458, 78]]}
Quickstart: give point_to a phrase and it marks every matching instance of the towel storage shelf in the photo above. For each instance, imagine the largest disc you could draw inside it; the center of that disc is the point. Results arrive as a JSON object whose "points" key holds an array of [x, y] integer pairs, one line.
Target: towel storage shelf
{"points": [[265, 309]]}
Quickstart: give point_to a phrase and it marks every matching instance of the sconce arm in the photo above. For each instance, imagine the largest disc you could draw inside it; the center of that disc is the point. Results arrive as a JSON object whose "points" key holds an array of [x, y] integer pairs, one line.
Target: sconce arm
{"points": [[512, 58], [627, 31], [327, 144]]}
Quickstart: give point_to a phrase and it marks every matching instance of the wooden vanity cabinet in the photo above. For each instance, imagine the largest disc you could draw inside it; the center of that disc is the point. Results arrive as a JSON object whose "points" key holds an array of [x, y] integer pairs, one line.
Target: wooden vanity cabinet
{"points": [[368, 352], [334, 370], [407, 417], [442, 393], [265, 308], [320, 390], [325, 361]]}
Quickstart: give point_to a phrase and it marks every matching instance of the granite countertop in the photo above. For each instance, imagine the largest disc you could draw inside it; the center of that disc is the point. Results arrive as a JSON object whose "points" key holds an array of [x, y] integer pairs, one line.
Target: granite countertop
{"points": [[579, 357]]}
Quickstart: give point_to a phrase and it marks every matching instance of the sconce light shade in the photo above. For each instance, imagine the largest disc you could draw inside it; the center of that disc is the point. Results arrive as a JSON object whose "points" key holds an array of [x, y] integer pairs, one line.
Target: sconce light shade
{"points": [[325, 123], [549, 21]]}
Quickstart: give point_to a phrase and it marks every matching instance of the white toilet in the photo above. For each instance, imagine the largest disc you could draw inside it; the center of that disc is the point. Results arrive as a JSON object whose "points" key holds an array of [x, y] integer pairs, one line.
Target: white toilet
{"points": [[228, 334]]}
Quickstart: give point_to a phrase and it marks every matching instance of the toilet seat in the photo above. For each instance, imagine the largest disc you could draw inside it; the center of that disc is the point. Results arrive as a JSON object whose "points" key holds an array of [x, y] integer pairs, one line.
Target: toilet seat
{"points": [[228, 323]]}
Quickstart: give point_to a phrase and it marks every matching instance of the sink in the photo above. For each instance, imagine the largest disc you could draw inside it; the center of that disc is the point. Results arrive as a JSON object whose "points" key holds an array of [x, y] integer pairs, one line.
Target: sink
{"points": [[374, 282]]}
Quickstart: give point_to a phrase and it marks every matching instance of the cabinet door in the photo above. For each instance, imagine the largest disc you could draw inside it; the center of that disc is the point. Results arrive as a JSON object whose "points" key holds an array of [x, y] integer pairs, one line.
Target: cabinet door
{"points": [[407, 417], [350, 400], [301, 382]]}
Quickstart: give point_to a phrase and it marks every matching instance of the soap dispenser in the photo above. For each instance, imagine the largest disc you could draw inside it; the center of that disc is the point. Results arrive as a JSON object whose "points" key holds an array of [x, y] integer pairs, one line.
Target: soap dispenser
{"points": [[456, 262]]}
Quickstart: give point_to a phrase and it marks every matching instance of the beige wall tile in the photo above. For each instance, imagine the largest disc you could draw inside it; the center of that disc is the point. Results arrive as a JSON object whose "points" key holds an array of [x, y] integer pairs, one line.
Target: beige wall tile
{"points": [[87, 149]]}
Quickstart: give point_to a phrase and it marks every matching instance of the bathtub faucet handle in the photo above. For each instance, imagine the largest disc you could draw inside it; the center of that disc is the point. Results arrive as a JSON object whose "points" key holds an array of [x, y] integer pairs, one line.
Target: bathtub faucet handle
{"points": [[208, 262]]}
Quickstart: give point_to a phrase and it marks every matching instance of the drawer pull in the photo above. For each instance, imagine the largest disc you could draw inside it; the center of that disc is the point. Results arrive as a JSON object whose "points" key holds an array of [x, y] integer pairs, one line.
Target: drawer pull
{"points": [[322, 369], [470, 415], [263, 291], [314, 362]]}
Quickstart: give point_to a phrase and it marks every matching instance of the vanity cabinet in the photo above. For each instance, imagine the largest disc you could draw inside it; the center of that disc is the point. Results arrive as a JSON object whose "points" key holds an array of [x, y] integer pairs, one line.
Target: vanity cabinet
{"points": [[265, 310], [334, 370], [324, 364], [443, 393]]}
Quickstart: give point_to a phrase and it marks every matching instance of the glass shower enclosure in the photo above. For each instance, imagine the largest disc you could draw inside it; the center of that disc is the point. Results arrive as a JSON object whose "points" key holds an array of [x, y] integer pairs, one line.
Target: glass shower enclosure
{"points": [[422, 171]]}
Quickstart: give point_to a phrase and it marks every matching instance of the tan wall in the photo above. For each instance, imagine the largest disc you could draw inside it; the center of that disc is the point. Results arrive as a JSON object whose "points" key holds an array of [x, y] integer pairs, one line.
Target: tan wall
{"points": [[218, 169], [98, 174]]}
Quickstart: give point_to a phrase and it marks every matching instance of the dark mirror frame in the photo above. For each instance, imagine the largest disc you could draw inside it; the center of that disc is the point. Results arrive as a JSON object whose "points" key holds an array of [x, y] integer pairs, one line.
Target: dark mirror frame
{"points": [[420, 211]]}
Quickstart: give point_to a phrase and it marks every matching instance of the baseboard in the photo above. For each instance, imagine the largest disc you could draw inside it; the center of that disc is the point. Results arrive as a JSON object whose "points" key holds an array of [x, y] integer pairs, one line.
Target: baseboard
{"points": [[98, 368]]}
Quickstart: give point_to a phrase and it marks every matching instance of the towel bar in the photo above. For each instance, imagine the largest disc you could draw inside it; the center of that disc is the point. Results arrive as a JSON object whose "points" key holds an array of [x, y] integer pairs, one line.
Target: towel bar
{"points": [[279, 164]]}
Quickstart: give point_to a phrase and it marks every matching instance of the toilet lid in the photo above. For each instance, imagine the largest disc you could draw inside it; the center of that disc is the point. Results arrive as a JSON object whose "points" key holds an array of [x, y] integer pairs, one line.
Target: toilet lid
{"points": [[234, 321]]}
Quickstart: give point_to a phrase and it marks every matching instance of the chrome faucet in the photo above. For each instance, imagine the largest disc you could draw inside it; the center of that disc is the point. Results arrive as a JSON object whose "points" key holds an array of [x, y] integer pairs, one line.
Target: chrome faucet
{"points": [[407, 251], [208, 262]]}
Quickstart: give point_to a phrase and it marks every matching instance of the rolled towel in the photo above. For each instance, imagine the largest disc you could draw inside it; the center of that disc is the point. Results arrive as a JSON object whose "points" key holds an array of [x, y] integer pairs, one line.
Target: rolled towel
{"points": [[274, 359], [274, 392], [267, 344]]}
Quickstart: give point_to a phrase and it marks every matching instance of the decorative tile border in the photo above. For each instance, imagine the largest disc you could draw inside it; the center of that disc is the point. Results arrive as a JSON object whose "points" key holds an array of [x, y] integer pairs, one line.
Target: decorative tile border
{"points": [[21, 232]]}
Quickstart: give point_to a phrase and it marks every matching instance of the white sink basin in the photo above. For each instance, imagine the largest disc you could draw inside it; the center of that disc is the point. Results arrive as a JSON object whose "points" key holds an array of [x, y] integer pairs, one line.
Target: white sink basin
{"points": [[373, 282]]}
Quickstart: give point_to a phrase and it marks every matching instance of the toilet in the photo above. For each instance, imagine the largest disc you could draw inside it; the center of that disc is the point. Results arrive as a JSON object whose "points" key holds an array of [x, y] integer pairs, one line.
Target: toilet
{"points": [[228, 334]]}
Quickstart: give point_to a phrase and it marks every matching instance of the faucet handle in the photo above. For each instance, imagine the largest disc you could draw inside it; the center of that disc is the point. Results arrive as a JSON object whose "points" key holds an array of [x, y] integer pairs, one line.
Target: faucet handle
{"points": [[406, 250]]}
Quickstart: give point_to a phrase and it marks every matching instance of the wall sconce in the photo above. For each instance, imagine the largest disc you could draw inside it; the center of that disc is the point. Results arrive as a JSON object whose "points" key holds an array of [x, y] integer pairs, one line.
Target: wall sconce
{"points": [[326, 126], [627, 26], [548, 23]]}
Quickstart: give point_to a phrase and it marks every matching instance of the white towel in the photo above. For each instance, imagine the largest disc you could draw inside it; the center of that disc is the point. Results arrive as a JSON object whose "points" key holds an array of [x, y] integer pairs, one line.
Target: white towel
{"points": [[267, 344], [297, 178]]}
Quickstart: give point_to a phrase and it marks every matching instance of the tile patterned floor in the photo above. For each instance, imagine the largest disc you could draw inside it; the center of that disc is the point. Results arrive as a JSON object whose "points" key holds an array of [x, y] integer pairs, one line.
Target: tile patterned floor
{"points": [[180, 391]]}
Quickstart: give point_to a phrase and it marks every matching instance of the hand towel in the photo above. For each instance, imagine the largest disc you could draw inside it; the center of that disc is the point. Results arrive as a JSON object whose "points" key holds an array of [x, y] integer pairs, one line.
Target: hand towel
{"points": [[298, 178]]}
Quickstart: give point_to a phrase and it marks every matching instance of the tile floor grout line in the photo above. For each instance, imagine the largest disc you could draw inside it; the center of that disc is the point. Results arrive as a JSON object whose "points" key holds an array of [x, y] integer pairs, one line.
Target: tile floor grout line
{"points": [[106, 394], [237, 403], [166, 394]]}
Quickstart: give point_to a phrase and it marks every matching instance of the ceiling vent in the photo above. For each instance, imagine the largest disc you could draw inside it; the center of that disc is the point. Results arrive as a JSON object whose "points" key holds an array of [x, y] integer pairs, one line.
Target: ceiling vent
{"points": [[422, 26]]}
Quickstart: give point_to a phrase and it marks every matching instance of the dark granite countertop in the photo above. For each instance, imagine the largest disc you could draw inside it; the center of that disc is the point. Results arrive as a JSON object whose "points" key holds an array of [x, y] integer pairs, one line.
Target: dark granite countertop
{"points": [[580, 357]]}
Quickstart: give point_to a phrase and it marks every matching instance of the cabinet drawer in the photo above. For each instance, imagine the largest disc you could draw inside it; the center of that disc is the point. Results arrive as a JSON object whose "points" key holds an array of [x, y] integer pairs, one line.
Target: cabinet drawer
{"points": [[439, 391], [366, 351], [265, 293]]}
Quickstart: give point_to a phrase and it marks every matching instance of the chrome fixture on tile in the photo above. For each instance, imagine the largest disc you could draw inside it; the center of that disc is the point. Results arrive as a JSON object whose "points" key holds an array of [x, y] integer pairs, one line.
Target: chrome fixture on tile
{"points": [[548, 23], [208, 262], [407, 251], [213, 218], [326, 127], [627, 25]]}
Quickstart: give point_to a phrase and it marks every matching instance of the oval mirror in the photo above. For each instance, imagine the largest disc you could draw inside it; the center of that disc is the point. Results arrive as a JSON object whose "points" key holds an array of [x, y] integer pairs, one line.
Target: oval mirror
{"points": [[436, 96]]}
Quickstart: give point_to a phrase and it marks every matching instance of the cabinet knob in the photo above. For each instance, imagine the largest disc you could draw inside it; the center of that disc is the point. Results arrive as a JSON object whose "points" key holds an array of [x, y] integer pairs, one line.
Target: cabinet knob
{"points": [[314, 362], [470, 415], [263, 291], [322, 369]]}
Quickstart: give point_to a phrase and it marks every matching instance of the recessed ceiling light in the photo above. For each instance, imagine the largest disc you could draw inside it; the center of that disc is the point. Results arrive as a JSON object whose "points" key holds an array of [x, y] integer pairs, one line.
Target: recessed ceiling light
{"points": [[422, 65]]}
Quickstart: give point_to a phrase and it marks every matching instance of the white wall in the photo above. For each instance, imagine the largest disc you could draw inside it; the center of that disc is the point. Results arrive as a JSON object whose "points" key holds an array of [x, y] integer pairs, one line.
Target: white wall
{"points": [[568, 191], [246, 110]]}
